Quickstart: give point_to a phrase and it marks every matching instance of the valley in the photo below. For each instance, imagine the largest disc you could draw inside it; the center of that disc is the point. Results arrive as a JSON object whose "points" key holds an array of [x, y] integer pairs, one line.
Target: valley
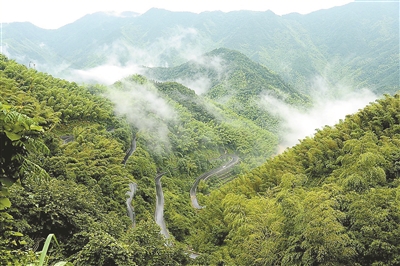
{"points": [[175, 138]]}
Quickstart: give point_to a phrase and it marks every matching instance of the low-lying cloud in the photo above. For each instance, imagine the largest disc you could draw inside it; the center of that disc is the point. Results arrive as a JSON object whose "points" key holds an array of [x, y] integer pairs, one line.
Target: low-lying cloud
{"points": [[209, 67], [106, 74], [329, 106], [200, 84], [122, 58], [145, 109]]}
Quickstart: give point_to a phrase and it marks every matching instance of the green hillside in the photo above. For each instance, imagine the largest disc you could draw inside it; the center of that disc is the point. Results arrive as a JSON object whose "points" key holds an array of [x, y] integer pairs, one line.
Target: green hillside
{"points": [[330, 200], [355, 45], [231, 79], [180, 164], [359, 41], [63, 169], [66, 168]]}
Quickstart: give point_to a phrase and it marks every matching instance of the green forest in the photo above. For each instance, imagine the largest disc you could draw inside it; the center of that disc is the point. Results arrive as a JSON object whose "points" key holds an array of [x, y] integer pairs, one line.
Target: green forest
{"points": [[179, 153], [331, 200], [70, 154], [355, 44], [63, 167]]}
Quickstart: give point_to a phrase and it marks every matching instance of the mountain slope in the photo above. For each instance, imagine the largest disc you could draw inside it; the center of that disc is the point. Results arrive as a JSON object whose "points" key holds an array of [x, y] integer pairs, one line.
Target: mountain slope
{"points": [[234, 81], [72, 181], [330, 200], [356, 44], [359, 42]]}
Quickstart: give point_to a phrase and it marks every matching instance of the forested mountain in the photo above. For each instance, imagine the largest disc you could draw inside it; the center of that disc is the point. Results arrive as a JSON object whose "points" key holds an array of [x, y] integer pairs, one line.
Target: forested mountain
{"points": [[356, 44], [234, 81], [330, 200], [67, 163], [179, 164], [70, 156]]}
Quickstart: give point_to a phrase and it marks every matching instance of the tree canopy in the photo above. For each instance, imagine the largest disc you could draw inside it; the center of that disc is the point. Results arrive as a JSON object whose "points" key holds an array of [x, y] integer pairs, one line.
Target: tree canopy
{"points": [[67, 163]]}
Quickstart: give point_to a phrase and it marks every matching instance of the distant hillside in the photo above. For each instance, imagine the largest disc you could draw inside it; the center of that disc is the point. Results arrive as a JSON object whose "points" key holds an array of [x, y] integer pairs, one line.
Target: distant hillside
{"points": [[356, 44], [233, 80], [359, 42]]}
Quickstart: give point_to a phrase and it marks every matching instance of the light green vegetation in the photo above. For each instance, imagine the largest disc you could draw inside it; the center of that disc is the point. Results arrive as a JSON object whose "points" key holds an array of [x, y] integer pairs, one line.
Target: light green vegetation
{"points": [[67, 178], [331, 200]]}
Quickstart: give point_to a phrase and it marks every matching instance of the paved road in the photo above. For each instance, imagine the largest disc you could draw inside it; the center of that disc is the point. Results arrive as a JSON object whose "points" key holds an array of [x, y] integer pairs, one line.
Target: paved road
{"points": [[130, 152], [222, 169], [159, 213], [131, 211]]}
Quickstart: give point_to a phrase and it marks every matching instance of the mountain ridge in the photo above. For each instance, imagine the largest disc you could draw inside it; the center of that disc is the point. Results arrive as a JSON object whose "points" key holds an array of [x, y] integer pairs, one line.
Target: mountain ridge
{"points": [[234, 81], [298, 47]]}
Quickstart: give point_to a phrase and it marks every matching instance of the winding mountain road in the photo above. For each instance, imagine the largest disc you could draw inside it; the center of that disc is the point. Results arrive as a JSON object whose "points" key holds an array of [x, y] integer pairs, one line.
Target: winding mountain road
{"points": [[220, 170], [159, 213], [131, 211], [132, 186], [132, 149]]}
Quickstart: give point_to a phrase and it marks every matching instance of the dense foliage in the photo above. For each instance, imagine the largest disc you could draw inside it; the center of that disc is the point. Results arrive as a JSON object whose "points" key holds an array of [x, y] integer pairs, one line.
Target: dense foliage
{"points": [[237, 83], [65, 170], [80, 195], [62, 172], [331, 200]]}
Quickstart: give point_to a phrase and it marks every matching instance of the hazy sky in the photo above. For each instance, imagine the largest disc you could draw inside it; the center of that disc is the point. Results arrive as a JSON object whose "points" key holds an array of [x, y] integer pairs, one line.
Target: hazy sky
{"points": [[56, 13]]}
